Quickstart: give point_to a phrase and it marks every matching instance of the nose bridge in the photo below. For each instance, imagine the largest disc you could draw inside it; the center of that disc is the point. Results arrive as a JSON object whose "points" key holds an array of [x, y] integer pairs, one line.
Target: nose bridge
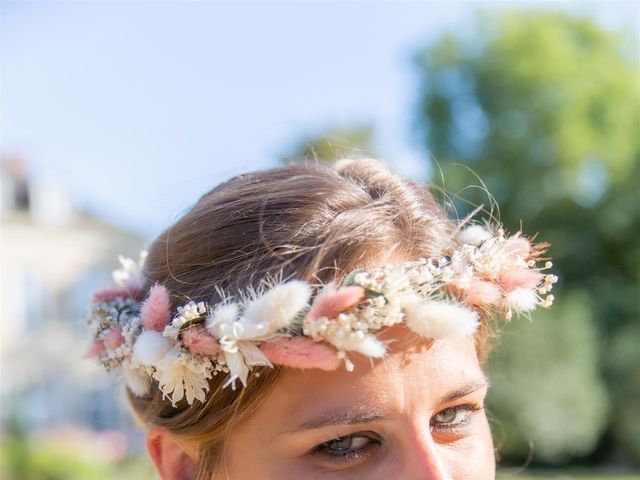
{"points": [[425, 458]]}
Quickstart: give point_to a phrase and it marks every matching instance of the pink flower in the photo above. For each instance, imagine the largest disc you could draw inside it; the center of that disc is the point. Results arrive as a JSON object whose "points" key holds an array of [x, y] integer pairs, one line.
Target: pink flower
{"points": [[482, 292], [301, 352], [519, 278], [110, 294], [114, 338], [333, 301], [155, 310], [517, 247], [199, 342], [95, 349]]}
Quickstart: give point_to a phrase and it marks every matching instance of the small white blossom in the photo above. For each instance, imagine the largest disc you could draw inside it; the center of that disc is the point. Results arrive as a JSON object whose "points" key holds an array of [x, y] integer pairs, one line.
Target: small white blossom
{"points": [[188, 312]]}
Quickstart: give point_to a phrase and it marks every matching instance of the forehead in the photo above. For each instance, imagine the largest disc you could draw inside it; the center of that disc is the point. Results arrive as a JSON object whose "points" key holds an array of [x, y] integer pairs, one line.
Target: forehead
{"points": [[413, 375]]}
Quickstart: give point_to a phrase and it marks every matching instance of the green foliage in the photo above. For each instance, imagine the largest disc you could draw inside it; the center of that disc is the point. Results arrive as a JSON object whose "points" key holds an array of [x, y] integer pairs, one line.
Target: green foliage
{"points": [[25, 456], [333, 144], [623, 362], [568, 475], [21, 460], [550, 94], [545, 109], [546, 383]]}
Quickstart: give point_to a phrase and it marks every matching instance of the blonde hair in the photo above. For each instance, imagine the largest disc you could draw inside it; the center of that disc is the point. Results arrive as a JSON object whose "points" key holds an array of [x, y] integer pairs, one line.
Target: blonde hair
{"points": [[309, 221]]}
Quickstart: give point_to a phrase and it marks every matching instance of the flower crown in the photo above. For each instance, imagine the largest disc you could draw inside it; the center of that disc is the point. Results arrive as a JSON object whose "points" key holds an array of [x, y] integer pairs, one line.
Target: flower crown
{"points": [[484, 272]]}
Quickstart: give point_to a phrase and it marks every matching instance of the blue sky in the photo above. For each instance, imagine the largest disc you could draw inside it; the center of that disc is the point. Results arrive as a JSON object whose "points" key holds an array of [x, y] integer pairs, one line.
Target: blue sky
{"points": [[139, 107]]}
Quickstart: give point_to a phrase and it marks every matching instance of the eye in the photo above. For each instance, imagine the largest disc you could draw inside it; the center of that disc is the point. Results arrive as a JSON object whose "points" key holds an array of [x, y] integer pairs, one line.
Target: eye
{"points": [[448, 415], [345, 444], [454, 417], [348, 447]]}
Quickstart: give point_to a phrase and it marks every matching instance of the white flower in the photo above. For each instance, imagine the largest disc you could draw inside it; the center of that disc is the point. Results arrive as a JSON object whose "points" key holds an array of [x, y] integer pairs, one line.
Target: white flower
{"points": [[131, 270], [239, 362], [150, 347], [474, 235], [180, 374], [396, 280], [223, 314], [358, 341], [279, 305], [237, 337], [171, 332], [439, 319], [188, 312], [136, 378], [397, 286], [521, 300]]}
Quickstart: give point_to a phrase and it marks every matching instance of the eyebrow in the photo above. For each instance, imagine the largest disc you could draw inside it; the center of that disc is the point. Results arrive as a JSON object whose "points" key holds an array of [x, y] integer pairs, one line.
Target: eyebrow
{"points": [[369, 416], [339, 418], [465, 390]]}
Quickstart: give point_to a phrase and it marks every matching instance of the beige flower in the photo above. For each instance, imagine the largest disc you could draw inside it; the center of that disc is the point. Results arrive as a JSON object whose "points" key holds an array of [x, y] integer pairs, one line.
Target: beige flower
{"points": [[181, 374]]}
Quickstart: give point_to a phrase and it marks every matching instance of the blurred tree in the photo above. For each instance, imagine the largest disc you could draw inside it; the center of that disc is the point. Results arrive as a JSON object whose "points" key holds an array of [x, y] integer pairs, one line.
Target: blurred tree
{"points": [[547, 380], [545, 109], [332, 144]]}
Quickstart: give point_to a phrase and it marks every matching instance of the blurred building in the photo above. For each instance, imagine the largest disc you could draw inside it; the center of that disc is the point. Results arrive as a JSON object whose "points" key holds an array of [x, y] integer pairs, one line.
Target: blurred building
{"points": [[52, 256]]}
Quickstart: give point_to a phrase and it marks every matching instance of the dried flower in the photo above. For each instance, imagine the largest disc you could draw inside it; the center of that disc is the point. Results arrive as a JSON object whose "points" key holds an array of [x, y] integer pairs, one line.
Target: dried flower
{"points": [[441, 319], [155, 310], [301, 352], [439, 297], [114, 338], [181, 375], [278, 307], [521, 300], [150, 347], [199, 341]]}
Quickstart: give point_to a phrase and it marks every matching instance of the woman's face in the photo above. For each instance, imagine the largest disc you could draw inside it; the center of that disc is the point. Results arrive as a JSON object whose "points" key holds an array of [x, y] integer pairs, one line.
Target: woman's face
{"points": [[417, 414]]}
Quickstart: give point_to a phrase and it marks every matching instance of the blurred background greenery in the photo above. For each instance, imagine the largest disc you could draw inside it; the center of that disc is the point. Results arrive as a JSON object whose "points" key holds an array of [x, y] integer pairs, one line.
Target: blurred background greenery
{"points": [[539, 114], [542, 110], [545, 110]]}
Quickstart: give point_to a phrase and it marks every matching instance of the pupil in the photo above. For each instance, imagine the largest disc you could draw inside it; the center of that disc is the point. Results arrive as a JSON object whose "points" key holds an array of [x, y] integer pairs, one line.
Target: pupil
{"points": [[340, 444], [448, 415]]}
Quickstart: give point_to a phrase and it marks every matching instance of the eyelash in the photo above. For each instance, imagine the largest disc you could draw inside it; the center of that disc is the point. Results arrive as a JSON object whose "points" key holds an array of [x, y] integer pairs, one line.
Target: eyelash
{"points": [[468, 409], [375, 440], [325, 450]]}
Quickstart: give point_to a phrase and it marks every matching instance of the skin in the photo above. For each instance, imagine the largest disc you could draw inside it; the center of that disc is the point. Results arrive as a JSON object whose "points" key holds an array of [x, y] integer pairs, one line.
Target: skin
{"points": [[417, 414]]}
